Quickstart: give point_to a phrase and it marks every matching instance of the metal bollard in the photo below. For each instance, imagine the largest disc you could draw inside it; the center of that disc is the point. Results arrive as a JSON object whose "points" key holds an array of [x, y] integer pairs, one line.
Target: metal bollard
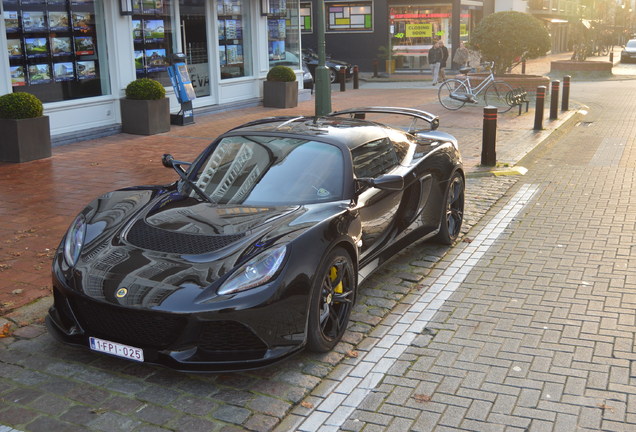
{"points": [[538, 112], [375, 68], [342, 78], [565, 101], [489, 137], [356, 79], [523, 66], [612, 57], [554, 100]]}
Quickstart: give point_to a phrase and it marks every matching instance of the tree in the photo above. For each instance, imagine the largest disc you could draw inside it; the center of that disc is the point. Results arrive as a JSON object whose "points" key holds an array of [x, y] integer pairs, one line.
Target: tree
{"points": [[506, 37]]}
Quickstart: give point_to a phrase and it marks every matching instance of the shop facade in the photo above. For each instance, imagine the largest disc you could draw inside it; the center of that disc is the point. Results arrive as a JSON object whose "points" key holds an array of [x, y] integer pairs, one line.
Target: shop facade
{"points": [[78, 56], [362, 32]]}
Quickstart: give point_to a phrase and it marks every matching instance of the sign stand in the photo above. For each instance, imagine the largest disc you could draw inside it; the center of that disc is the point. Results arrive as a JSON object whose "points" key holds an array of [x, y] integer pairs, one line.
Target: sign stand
{"points": [[183, 90]]}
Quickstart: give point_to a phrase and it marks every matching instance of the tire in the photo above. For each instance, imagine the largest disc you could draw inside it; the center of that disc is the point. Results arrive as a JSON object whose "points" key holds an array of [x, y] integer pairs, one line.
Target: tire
{"points": [[452, 86], [496, 95], [333, 295], [333, 76], [453, 211]]}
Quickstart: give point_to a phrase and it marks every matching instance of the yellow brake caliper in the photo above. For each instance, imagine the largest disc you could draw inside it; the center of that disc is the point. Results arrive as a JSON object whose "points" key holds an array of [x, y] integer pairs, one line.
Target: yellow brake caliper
{"points": [[333, 275]]}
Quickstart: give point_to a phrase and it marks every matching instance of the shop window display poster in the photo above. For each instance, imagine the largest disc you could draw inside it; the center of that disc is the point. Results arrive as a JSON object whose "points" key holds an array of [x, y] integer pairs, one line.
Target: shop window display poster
{"points": [[154, 30], [33, 21], [63, 71], [277, 50], [82, 20], [84, 45], [138, 33], [222, 59], [233, 29], [152, 7], [9, 3], [36, 47], [221, 29], [14, 47], [86, 70], [58, 21], [61, 46], [234, 54], [156, 60], [139, 61], [18, 77], [39, 74], [11, 21]]}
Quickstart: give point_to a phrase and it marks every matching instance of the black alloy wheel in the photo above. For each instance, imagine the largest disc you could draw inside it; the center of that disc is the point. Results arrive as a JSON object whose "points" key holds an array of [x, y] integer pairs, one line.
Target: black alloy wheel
{"points": [[332, 301], [453, 211]]}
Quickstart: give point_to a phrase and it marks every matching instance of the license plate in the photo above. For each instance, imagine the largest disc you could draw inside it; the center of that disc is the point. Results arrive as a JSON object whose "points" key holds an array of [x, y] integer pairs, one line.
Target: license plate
{"points": [[116, 349]]}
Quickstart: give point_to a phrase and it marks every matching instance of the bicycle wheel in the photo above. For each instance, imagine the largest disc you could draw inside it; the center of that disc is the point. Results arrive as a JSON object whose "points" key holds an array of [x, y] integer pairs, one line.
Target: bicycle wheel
{"points": [[496, 95], [453, 94]]}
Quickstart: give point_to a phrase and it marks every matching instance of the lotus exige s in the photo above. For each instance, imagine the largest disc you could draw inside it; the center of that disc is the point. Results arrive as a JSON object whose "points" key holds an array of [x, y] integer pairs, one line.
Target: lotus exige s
{"points": [[257, 250]]}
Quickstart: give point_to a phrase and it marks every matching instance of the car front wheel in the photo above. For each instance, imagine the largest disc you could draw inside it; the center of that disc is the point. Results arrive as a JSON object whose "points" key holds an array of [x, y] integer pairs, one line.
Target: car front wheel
{"points": [[331, 302]]}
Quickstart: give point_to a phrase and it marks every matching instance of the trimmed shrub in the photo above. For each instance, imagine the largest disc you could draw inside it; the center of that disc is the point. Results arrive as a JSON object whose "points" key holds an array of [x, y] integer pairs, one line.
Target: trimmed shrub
{"points": [[281, 74], [20, 105], [145, 89]]}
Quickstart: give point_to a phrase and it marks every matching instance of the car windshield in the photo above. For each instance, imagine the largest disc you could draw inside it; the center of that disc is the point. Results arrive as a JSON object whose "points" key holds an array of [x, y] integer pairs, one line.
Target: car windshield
{"points": [[631, 44], [268, 171]]}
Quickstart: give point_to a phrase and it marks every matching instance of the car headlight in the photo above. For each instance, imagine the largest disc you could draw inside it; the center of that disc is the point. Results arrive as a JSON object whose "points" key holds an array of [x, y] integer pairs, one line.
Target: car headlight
{"points": [[74, 240], [255, 272]]}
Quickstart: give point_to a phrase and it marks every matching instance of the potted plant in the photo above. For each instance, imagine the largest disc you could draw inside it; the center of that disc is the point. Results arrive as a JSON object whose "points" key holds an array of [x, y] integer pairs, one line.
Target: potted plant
{"points": [[146, 109], [26, 133], [280, 90]]}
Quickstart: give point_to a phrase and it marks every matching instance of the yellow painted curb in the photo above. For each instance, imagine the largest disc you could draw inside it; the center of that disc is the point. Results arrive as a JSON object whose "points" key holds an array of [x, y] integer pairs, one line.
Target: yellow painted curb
{"points": [[517, 170]]}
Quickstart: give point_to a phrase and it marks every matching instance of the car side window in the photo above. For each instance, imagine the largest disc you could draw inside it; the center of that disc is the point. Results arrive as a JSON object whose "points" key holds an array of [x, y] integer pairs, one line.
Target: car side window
{"points": [[374, 158]]}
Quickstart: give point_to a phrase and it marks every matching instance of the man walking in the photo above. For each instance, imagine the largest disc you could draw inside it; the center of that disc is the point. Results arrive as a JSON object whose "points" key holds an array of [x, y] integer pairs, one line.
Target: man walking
{"points": [[434, 60], [442, 64]]}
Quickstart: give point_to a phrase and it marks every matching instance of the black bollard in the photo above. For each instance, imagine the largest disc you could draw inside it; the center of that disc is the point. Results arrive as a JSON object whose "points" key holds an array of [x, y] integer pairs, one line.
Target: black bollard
{"points": [[356, 79], [565, 101], [538, 112], [375, 68], [489, 137], [523, 66], [611, 57], [342, 78], [554, 100]]}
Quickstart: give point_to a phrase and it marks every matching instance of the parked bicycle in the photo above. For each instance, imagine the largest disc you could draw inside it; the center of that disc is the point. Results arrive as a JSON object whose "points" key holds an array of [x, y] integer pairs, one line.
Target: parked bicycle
{"points": [[455, 93]]}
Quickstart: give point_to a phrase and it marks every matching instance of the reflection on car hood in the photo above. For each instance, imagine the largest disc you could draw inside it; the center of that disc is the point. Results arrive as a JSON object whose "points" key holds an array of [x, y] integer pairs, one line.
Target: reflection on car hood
{"points": [[158, 243]]}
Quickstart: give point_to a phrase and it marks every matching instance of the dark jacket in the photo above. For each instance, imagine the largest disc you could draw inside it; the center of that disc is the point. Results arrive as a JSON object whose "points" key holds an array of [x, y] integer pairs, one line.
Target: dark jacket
{"points": [[444, 51], [434, 55]]}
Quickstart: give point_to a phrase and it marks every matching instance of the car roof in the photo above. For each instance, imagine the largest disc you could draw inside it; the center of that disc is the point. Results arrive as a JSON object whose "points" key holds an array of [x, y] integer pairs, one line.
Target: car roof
{"points": [[349, 132]]}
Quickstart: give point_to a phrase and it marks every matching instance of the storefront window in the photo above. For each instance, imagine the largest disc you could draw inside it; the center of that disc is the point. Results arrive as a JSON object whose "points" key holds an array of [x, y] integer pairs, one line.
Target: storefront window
{"points": [[232, 20], [349, 16], [415, 30], [56, 49], [283, 34], [152, 37], [306, 22]]}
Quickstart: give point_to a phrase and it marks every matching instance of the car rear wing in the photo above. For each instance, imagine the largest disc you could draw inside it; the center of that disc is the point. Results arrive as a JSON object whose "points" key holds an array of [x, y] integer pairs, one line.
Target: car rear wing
{"points": [[415, 114]]}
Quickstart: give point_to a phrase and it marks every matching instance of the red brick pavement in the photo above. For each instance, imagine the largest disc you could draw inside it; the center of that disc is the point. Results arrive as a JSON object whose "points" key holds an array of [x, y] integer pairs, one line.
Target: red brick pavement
{"points": [[40, 198]]}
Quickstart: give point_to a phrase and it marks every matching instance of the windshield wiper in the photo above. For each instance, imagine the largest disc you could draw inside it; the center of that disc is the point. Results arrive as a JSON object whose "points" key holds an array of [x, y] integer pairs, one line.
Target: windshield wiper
{"points": [[169, 162]]}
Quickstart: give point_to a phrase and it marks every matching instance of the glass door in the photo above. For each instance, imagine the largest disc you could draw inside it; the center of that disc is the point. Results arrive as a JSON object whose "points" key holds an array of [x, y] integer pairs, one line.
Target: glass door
{"points": [[195, 45]]}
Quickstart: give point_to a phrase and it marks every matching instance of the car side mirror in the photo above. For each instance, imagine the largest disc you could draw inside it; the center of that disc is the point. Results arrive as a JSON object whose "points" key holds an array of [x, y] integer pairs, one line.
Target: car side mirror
{"points": [[384, 182]]}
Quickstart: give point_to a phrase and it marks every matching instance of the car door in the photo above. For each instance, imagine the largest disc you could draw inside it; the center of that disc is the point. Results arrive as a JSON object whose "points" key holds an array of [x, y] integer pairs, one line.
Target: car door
{"points": [[377, 208]]}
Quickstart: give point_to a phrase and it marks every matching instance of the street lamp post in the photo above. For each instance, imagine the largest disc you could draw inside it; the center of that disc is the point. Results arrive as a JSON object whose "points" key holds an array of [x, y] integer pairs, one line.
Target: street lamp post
{"points": [[323, 84]]}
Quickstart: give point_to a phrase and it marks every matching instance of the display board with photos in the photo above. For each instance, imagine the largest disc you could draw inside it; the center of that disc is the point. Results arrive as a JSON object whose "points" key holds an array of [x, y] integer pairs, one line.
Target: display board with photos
{"points": [[230, 33], [152, 36], [52, 47]]}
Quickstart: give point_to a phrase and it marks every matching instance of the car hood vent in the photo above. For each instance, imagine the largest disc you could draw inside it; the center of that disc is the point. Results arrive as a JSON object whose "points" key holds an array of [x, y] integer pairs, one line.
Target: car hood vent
{"points": [[146, 236]]}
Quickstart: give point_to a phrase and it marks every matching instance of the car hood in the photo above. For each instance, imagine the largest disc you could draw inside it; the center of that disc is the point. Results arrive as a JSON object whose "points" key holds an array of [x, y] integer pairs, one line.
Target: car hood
{"points": [[156, 244], [630, 50]]}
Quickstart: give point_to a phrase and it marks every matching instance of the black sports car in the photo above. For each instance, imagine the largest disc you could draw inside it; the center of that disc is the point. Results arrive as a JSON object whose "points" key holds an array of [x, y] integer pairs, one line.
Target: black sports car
{"points": [[256, 251], [310, 57]]}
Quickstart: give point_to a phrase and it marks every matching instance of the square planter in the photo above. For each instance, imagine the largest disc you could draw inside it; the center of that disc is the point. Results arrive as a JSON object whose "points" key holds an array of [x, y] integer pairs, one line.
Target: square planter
{"points": [[145, 117], [278, 94], [25, 140]]}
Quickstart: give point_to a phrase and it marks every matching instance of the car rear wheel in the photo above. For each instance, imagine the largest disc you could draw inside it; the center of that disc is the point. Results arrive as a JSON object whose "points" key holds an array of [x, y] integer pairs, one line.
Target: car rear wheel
{"points": [[453, 214], [331, 302]]}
